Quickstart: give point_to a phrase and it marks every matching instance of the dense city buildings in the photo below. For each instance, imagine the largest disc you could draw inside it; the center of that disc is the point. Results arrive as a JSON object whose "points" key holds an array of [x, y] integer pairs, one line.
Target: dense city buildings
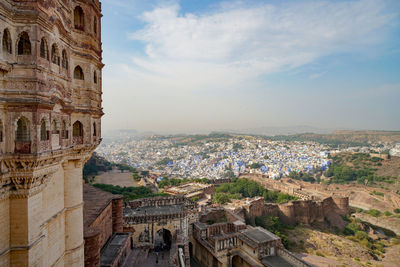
{"points": [[175, 214], [232, 155], [212, 159], [50, 110]]}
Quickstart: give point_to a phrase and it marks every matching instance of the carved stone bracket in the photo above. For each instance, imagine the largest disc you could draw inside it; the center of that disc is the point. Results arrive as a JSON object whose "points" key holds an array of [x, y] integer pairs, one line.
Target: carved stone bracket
{"points": [[29, 182], [24, 184], [28, 186], [28, 164], [4, 192], [25, 176]]}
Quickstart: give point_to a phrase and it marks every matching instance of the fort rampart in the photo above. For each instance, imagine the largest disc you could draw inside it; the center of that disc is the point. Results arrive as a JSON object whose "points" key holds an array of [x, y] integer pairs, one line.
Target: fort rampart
{"points": [[301, 211]]}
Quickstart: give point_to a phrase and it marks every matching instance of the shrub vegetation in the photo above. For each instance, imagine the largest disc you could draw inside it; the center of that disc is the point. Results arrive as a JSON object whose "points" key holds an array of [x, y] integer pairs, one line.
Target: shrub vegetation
{"points": [[129, 193], [242, 188]]}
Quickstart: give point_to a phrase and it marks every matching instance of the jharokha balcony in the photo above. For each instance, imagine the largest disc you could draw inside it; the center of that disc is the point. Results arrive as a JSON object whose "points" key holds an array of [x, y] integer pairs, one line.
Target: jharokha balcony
{"points": [[23, 147]]}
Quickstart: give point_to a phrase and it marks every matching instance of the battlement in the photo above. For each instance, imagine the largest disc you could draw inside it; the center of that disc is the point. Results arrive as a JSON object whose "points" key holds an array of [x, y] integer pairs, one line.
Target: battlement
{"points": [[161, 201]]}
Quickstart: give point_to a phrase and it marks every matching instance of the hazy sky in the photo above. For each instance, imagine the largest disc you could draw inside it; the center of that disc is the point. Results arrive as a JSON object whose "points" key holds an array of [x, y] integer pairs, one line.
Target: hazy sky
{"points": [[195, 65]]}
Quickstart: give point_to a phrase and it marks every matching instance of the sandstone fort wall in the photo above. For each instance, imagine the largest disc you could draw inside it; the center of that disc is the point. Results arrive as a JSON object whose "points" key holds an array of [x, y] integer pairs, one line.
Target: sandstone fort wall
{"points": [[301, 211]]}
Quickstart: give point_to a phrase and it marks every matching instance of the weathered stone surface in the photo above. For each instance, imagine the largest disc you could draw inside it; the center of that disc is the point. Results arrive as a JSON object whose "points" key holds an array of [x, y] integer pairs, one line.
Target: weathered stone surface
{"points": [[41, 104]]}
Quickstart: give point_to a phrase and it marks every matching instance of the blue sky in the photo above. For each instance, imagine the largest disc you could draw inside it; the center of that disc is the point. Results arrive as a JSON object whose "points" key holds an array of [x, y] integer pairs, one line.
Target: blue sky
{"points": [[200, 65]]}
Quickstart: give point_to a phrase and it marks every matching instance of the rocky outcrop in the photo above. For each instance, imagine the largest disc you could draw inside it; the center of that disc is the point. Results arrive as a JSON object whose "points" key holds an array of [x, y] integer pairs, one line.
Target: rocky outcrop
{"points": [[390, 223]]}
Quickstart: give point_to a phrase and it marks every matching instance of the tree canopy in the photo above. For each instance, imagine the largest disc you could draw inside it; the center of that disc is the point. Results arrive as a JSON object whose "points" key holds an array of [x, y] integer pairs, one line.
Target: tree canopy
{"points": [[242, 188]]}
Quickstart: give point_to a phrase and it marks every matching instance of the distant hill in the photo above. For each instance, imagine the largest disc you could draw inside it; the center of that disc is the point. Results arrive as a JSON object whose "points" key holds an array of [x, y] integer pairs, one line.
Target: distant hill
{"points": [[119, 133], [367, 136], [289, 130], [344, 137]]}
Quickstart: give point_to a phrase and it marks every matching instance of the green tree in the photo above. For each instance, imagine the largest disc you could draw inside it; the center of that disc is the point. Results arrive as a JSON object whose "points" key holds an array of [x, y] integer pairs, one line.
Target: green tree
{"points": [[221, 198]]}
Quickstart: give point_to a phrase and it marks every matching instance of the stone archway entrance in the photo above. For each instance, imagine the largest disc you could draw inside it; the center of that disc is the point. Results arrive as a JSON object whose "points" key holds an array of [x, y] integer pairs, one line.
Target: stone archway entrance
{"points": [[237, 261], [190, 249], [163, 240]]}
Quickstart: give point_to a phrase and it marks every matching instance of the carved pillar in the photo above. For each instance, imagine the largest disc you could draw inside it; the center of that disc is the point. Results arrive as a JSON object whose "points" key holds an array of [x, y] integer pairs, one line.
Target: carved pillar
{"points": [[229, 261], [26, 217], [25, 232], [74, 252]]}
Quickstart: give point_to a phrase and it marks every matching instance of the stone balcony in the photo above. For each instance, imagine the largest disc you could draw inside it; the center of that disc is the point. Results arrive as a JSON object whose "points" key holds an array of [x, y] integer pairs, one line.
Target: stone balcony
{"points": [[22, 147]]}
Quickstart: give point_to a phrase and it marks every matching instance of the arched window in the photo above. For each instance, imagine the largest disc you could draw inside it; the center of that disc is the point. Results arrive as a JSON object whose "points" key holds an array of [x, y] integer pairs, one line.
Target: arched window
{"points": [[44, 136], [79, 18], [94, 77], [94, 129], [95, 25], [44, 50], [7, 41], [64, 61], [23, 132], [54, 127], [64, 131], [78, 73], [77, 132], [55, 57], [77, 129], [24, 44]]}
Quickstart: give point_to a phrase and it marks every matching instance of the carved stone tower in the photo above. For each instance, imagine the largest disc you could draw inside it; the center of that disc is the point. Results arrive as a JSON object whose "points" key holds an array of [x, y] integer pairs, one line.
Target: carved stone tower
{"points": [[50, 111]]}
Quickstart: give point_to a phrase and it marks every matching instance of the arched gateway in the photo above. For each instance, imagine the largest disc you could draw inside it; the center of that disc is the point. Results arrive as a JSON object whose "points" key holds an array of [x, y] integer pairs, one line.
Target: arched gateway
{"points": [[156, 222]]}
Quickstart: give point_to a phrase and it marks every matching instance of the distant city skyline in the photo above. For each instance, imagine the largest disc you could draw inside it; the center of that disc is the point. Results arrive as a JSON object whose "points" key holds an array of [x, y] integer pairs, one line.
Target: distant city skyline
{"points": [[200, 66]]}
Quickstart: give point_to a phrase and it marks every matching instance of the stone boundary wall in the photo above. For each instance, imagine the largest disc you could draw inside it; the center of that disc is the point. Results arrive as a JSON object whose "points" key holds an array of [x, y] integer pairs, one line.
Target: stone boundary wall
{"points": [[161, 201], [301, 211], [221, 181]]}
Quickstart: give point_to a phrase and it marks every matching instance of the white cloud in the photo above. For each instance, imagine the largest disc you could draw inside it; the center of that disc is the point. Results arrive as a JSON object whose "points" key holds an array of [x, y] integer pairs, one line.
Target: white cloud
{"points": [[317, 75], [200, 70], [244, 42]]}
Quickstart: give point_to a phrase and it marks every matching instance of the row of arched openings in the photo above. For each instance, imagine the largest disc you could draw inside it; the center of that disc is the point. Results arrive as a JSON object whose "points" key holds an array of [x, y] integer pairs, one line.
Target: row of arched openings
{"points": [[24, 48], [23, 45], [55, 54], [78, 74], [23, 130], [79, 20]]}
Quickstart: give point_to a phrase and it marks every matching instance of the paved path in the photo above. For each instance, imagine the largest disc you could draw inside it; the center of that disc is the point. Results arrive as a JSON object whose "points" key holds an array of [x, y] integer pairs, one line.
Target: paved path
{"points": [[142, 258], [152, 258], [133, 259]]}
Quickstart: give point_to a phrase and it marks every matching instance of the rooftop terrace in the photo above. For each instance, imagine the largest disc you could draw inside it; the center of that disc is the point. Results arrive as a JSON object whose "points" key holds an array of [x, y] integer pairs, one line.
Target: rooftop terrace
{"points": [[112, 249], [256, 236], [95, 201]]}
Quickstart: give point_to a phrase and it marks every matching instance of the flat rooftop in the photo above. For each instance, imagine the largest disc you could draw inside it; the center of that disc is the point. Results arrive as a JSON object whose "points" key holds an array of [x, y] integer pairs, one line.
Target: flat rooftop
{"points": [[153, 210], [276, 261], [259, 235], [112, 249], [95, 201]]}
